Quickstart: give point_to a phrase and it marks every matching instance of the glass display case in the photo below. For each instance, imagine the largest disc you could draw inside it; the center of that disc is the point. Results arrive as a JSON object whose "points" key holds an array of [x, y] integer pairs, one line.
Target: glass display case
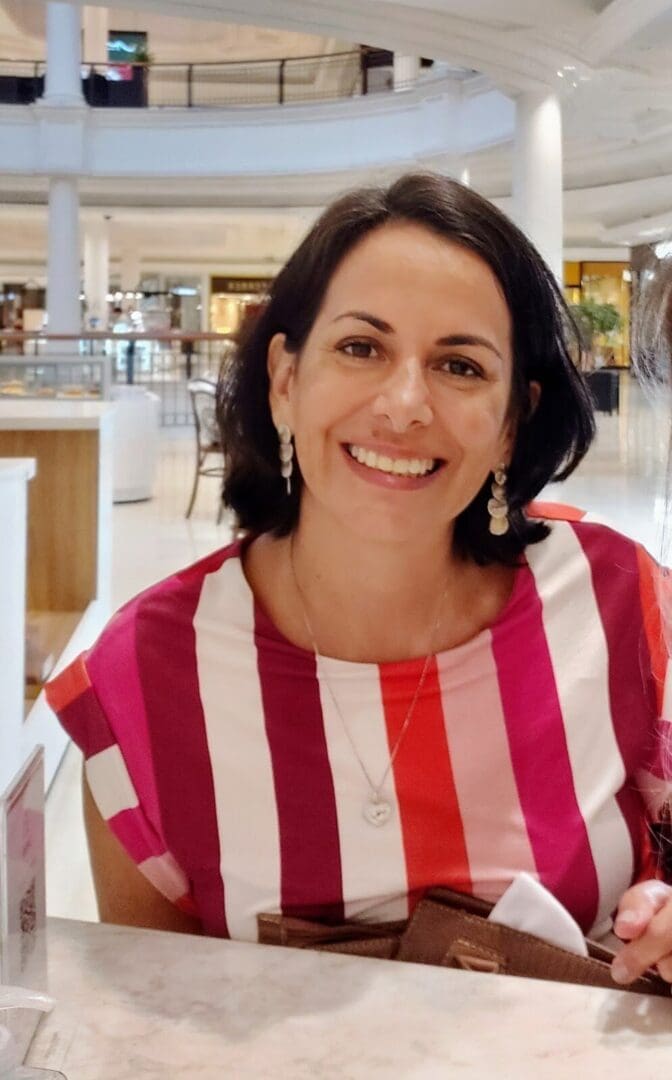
{"points": [[85, 378]]}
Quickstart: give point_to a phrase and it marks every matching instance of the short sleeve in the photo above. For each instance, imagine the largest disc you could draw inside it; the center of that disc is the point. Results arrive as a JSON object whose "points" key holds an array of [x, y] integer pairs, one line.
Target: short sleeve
{"points": [[123, 799], [655, 778]]}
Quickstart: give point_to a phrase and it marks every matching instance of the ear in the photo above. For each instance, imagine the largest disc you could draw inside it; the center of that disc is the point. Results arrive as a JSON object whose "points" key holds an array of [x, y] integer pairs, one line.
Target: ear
{"points": [[511, 430], [535, 394], [281, 365]]}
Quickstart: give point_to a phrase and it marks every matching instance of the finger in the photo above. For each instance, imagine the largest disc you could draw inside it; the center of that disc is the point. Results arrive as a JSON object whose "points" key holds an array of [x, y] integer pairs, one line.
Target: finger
{"points": [[654, 945], [638, 906], [665, 968]]}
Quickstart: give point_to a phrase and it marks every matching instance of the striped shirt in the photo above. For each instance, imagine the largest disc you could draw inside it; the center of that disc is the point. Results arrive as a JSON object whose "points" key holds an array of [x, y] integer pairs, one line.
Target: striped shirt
{"points": [[215, 753]]}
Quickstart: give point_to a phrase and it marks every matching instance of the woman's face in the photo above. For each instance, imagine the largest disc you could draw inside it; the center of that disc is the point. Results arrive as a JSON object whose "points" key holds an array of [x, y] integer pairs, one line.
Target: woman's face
{"points": [[399, 399]]}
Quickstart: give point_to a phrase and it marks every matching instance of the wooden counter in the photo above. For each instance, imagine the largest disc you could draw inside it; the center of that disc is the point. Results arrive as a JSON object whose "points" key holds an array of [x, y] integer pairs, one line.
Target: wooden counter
{"points": [[69, 541]]}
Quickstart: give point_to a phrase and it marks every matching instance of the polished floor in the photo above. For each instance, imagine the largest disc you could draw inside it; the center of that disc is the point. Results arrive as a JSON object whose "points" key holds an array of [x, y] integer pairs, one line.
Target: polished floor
{"points": [[622, 479]]}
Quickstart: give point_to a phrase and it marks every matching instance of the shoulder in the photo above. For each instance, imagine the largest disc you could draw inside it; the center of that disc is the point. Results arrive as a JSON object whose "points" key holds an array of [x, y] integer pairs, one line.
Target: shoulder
{"points": [[171, 601], [581, 537], [151, 635]]}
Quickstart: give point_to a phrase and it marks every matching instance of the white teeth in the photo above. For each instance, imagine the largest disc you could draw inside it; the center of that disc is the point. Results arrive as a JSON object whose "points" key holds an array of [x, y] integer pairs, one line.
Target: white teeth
{"points": [[397, 466]]}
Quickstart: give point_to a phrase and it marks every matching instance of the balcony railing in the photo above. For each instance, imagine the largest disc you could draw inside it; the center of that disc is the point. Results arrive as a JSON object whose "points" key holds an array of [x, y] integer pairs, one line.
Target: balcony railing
{"points": [[212, 85], [87, 366]]}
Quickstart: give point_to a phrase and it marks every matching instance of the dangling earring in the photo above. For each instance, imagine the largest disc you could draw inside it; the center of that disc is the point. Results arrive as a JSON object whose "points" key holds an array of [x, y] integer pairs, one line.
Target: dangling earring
{"points": [[286, 455], [498, 507]]}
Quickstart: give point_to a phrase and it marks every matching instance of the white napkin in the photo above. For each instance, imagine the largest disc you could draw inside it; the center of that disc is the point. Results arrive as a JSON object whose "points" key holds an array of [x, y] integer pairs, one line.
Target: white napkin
{"points": [[526, 905]]}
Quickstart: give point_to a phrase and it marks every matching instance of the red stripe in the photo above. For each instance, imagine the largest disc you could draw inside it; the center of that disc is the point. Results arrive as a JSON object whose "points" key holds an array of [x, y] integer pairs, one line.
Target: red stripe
{"points": [[431, 822], [541, 765], [554, 511], [310, 855], [166, 654], [68, 685], [654, 588], [632, 695]]}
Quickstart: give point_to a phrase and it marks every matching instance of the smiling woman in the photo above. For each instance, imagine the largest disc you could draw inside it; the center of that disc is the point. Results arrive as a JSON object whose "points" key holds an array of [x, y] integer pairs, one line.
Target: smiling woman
{"points": [[402, 674]]}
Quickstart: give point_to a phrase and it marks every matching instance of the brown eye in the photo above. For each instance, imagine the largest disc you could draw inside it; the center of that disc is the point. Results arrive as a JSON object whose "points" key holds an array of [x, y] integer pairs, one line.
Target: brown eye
{"points": [[464, 368], [361, 350]]}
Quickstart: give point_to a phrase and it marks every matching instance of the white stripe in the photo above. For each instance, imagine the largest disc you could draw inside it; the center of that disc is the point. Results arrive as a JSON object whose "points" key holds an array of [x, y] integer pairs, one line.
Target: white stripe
{"points": [[655, 792], [166, 876], [579, 654], [110, 783], [242, 771], [372, 857]]}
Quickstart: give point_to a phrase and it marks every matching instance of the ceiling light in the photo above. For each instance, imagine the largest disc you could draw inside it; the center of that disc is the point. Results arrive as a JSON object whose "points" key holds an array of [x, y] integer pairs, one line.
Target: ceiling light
{"points": [[561, 74]]}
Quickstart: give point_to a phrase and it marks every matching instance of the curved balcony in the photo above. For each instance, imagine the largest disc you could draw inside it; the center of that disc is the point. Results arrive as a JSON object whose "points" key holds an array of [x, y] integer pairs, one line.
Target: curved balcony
{"points": [[282, 81], [446, 114]]}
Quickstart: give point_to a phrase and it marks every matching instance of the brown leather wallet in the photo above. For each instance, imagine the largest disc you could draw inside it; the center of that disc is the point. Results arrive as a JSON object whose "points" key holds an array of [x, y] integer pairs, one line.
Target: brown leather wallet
{"points": [[450, 929]]}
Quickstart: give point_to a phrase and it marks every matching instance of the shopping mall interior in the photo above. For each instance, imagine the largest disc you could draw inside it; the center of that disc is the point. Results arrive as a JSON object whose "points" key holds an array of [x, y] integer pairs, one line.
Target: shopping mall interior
{"points": [[159, 162]]}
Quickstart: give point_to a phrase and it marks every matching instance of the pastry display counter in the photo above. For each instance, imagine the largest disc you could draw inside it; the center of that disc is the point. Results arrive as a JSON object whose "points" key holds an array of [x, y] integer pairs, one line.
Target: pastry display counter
{"points": [[147, 1005], [68, 543], [53, 377]]}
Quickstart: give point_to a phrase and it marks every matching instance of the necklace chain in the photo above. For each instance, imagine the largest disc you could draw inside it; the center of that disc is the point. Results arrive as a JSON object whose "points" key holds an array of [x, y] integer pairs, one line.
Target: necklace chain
{"points": [[375, 789]]}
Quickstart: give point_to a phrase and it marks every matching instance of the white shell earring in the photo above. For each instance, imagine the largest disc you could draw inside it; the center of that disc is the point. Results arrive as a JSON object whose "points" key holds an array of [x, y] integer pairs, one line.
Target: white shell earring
{"points": [[498, 507], [286, 451]]}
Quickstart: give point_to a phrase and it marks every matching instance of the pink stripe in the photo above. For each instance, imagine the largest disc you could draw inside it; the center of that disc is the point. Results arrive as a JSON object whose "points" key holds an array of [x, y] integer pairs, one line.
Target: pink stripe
{"points": [[130, 828], [541, 765], [166, 657], [487, 794], [310, 856], [120, 694], [632, 693]]}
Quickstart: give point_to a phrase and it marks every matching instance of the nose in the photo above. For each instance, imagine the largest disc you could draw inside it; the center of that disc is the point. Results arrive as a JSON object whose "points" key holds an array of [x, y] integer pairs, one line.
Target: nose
{"points": [[405, 399]]}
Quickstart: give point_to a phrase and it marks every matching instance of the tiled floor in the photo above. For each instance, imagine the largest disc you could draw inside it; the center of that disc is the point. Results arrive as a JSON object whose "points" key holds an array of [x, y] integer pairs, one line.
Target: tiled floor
{"points": [[622, 479]]}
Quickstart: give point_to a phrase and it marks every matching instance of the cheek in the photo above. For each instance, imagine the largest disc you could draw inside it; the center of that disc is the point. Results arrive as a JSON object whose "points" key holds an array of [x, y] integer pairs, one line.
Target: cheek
{"points": [[476, 425]]}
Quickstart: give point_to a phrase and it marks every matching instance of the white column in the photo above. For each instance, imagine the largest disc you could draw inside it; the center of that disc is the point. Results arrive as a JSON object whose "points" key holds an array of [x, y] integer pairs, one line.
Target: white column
{"points": [[95, 23], [405, 70], [130, 269], [63, 83], [96, 272], [537, 174], [63, 274]]}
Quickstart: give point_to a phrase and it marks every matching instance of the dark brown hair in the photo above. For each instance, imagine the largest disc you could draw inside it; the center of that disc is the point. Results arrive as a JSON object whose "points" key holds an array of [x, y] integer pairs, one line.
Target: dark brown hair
{"points": [[550, 441]]}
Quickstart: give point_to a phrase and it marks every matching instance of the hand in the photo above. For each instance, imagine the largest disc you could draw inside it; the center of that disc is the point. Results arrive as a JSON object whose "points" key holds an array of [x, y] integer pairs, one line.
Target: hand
{"points": [[644, 920]]}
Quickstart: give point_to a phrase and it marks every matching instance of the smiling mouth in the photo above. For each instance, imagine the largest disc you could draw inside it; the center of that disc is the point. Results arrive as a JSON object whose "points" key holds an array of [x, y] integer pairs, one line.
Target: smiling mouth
{"points": [[395, 466]]}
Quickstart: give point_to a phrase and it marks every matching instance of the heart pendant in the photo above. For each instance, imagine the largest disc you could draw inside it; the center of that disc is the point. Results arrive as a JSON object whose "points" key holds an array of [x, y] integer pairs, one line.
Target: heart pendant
{"points": [[376, 810]]}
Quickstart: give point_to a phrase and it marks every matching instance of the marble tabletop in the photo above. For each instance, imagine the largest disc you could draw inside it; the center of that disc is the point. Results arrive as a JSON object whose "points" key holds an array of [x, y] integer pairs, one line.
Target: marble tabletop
{"points": [[147, 1005]]}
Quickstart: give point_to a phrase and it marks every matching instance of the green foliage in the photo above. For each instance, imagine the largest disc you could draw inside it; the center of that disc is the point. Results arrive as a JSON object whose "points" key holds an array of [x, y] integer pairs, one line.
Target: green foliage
{"points": [[595, 319], [142, 56]]}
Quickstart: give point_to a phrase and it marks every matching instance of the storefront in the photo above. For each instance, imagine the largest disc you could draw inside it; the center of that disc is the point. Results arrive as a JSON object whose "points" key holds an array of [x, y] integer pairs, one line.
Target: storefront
{"points": [[232, 299], [601, 294]]}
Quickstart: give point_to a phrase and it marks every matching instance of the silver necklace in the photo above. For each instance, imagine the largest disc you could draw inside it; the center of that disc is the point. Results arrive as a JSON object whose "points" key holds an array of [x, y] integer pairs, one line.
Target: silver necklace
{"points": [[377, 809]]}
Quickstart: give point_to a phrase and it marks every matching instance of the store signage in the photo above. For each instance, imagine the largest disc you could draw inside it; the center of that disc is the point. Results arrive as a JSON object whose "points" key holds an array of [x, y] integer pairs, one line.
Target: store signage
{"points": [[240, 284]]}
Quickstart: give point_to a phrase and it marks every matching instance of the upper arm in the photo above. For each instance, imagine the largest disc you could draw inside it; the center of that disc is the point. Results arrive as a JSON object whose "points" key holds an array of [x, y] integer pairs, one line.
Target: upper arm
{"points": [[123, 893]]}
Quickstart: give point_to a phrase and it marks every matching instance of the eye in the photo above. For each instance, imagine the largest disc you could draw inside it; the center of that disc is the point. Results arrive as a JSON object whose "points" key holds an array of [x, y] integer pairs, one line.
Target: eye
{"points": [[359, 349], [456, 365]]}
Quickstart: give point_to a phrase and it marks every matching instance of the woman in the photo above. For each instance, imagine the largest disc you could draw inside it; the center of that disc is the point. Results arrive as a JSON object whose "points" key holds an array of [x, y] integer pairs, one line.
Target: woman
{"points": [[401, 676]]}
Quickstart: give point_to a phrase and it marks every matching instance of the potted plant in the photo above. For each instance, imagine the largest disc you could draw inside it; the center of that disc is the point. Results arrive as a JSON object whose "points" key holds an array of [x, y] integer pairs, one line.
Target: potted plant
{"points": [[595, 321]]}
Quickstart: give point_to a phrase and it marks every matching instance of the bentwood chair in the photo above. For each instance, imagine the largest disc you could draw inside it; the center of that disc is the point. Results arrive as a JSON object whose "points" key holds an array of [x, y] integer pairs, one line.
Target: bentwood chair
{"points": [[208, 443]]}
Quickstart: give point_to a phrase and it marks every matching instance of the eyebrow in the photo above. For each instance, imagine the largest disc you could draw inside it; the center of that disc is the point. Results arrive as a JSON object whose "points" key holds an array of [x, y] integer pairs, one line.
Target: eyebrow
{"points": [[450, 339]]}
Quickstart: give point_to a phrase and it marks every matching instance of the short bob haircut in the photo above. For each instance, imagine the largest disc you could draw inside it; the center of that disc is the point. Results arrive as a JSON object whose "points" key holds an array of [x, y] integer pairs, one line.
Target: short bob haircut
{"points": [[550, 441]]}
